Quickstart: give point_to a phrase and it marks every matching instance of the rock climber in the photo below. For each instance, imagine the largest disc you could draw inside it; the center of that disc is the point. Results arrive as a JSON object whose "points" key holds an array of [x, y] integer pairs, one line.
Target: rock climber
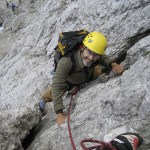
{"points": [[91, 52]]}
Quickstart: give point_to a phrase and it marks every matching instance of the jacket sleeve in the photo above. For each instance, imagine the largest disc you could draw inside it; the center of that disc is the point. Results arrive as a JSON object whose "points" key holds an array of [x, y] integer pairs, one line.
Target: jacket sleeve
{"points": [[106, 61], [59, 82]]}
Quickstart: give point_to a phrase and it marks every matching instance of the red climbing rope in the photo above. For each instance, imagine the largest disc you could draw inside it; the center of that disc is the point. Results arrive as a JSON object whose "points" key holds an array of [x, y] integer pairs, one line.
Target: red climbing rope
{"points": [[101, 145], [69, 129]]}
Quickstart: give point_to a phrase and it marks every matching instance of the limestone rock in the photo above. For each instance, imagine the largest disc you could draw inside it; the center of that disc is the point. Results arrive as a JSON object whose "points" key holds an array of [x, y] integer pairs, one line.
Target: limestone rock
{"points": [[102, 110], [16, 125]]}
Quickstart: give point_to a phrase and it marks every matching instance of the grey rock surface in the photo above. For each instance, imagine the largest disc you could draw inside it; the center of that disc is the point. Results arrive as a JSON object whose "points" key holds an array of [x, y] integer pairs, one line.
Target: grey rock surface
{"points": [[16, 124], [102, 110]]}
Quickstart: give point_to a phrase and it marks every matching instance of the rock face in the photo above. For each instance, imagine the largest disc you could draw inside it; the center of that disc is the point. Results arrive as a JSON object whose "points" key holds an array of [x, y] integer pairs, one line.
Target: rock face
{"points": [[16, 124], [103, 110]]}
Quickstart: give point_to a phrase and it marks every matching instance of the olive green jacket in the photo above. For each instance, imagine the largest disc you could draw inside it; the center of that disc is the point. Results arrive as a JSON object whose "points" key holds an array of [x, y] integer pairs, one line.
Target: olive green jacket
{"points": [[78, 76]]}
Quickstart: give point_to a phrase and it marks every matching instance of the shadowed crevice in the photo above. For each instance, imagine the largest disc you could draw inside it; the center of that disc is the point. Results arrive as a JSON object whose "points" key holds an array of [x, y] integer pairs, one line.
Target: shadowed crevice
{"points": [[134, 39], [29, 138]]}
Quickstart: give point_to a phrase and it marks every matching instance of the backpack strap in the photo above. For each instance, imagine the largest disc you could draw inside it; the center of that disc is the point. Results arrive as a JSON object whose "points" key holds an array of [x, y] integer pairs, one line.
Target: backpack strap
{"points": [[73, 64]]}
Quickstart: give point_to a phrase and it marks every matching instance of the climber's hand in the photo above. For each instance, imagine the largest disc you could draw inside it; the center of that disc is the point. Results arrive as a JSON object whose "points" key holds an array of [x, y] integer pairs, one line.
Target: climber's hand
{"points": [[117, 68], [60, 118]]}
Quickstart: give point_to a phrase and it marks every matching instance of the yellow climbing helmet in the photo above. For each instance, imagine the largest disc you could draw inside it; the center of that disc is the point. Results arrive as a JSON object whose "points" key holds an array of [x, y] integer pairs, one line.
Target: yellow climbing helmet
{"points": [[96, 42]]}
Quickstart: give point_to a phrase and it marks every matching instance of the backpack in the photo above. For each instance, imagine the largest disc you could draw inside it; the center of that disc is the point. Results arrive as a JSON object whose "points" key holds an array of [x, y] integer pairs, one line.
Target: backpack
{"points": [[68, 42]]}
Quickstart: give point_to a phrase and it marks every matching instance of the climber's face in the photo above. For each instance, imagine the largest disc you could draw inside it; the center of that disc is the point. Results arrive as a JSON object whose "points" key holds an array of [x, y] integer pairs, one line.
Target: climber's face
{"points": [[88, 56]]}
